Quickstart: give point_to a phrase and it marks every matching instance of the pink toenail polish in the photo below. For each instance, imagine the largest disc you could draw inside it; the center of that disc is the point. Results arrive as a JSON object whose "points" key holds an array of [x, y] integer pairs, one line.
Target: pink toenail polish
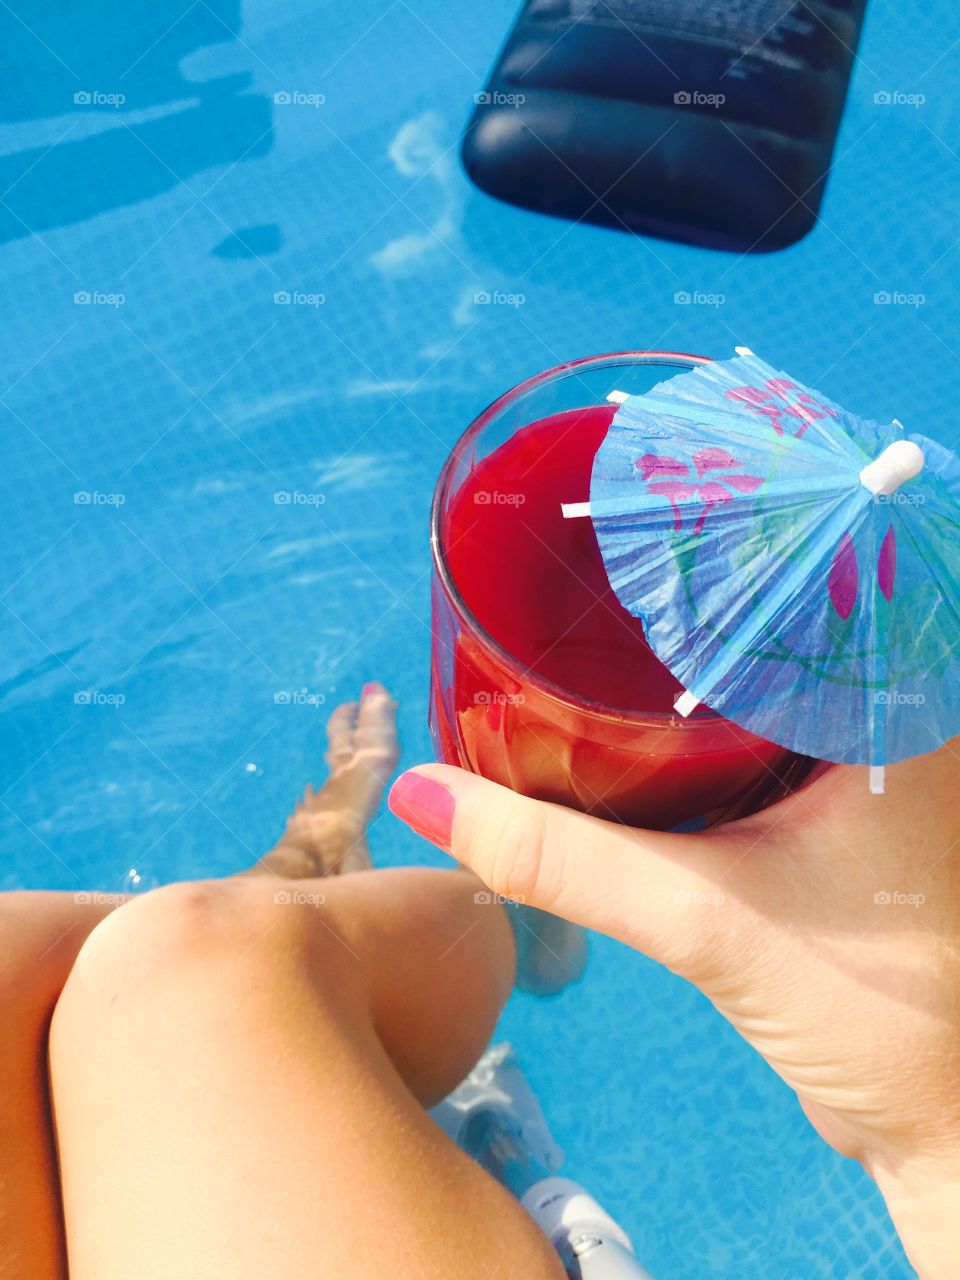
{"points": [[425, 805], [370, 687]]}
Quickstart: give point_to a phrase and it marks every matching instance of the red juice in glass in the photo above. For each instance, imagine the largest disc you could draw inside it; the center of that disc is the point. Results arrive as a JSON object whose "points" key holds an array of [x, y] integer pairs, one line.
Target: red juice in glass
{"points": [[541, 680]]}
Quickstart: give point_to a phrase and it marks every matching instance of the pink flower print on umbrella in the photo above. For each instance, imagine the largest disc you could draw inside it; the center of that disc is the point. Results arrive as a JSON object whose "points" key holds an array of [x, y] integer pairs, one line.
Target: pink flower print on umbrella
{"points": [[672, 479], [887, 566], [843, 581], [844, 578], [773, 402]]}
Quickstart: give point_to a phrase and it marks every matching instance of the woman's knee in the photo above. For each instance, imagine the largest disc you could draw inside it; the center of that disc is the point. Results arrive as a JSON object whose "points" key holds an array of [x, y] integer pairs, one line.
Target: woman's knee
{"points": [[224, 930]]}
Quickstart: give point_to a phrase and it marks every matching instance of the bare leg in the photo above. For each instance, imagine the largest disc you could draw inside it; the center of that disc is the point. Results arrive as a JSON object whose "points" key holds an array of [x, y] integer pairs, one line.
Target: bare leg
{"points": [[236, 1068], [40, 935]]}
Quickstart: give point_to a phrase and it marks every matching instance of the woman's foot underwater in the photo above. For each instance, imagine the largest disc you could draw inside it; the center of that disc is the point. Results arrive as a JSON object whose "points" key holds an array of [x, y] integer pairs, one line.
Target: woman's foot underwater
{"points": [[326, 836]]}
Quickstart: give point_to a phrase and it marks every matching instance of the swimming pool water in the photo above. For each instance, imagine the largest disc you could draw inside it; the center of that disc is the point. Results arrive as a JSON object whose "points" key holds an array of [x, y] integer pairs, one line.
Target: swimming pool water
{"points": [[238, 259]]}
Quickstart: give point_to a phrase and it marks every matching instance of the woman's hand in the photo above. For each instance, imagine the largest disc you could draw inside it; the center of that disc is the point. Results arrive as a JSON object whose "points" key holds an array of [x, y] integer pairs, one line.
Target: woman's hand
{"points": [[826, 929]]}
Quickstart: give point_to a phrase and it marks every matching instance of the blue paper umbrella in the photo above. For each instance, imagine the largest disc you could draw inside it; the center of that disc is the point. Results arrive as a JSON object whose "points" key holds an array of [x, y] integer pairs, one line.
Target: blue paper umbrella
{"points": [[797, 568]]}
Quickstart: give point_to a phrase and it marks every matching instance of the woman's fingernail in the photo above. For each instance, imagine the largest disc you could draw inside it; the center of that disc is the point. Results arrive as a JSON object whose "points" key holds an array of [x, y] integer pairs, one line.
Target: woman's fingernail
{"points": [[370, 687], [425, 805]]}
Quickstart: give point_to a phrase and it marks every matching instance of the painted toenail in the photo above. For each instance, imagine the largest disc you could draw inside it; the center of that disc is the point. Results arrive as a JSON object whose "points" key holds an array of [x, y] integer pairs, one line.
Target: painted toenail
{"points": [[425, 805]]}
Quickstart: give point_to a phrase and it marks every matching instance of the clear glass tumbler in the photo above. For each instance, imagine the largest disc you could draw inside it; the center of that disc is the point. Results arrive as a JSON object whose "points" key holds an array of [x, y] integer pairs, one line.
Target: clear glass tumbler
{"points": [[540, 680]]}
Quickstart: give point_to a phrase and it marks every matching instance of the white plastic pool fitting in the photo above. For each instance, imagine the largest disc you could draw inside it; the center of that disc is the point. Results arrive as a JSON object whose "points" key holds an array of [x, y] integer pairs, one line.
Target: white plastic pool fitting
{"points": [[495, 1117], [571, 1219]]}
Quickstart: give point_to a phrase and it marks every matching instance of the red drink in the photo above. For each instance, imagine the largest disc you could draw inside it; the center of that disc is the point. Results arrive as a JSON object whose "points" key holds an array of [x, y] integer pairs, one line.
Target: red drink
{"points": [[541, 679]]}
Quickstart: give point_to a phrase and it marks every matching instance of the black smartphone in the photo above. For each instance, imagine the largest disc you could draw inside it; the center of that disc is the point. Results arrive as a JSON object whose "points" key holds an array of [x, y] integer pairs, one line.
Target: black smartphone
{"points": [[707, 121]]}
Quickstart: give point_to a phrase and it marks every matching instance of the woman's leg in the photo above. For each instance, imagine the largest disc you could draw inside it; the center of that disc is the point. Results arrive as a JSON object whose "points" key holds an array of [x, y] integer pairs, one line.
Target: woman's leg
{"points": [[237, 1070], [40, 935]]}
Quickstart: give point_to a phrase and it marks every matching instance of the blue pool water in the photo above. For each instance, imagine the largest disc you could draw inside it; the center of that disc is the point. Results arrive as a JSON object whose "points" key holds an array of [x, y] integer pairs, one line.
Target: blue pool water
{"points": [[182, 396]]}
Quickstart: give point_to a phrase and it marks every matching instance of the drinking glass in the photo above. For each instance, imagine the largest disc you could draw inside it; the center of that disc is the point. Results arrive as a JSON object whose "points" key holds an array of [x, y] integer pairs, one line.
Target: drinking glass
{"points": [[522, 693]]}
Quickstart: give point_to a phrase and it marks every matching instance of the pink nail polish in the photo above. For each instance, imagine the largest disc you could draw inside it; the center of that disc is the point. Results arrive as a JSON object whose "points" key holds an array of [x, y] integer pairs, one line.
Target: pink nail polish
{"points": [[370, 687], [425, 805]]}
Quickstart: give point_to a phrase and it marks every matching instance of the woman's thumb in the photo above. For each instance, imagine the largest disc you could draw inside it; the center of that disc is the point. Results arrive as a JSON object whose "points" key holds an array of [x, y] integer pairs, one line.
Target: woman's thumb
{"points": [[661, 893]]}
